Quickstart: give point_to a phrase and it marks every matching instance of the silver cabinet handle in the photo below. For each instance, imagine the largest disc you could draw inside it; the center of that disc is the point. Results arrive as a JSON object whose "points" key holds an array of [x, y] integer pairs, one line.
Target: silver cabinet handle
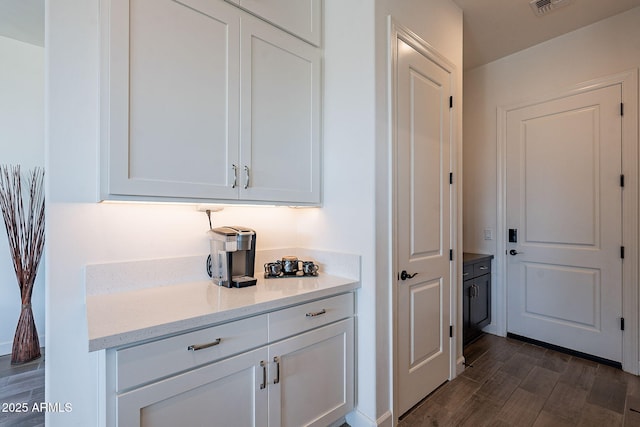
{"points": [[263, 365], [196, 347], [235, 176], [317, 313], [276, 360], [246, 171], [484, 267]]}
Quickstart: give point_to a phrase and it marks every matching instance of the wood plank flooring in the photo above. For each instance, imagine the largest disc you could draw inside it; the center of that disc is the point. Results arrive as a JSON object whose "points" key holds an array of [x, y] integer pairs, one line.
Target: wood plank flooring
{"points": [[21, 384], [511, 383]]}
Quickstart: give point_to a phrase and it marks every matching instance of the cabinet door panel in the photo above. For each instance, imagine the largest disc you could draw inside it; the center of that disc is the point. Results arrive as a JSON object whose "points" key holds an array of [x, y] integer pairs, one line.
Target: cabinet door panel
{"points": [[480, 315], [315, 385], [280, 134], [467, 295], [173, 98], [300, 17], [226, 393]]}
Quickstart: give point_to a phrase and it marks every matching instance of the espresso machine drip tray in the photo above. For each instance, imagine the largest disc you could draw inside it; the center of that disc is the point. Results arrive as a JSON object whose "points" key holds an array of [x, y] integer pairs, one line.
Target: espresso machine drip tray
{"points": [[243, 281]]}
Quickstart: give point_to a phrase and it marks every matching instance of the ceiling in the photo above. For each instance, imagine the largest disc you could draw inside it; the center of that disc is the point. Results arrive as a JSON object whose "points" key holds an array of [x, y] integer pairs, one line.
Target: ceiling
{"points": [[492, 28], [497, 28], [23, 20]]}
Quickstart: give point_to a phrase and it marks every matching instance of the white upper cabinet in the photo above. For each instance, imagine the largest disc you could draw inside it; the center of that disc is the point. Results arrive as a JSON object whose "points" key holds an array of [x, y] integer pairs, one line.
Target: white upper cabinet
{"points": [[204, 102], [302, 18], [280, 115]]}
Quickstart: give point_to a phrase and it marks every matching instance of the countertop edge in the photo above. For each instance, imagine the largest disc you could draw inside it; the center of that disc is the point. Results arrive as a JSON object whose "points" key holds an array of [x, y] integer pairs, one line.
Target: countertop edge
{"points": [[160, 330]]}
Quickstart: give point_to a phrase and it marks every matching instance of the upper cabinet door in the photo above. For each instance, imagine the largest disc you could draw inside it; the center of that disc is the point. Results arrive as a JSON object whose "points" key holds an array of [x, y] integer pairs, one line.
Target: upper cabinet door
{"points": [[302, 18], [280, 131], [170, 99]]}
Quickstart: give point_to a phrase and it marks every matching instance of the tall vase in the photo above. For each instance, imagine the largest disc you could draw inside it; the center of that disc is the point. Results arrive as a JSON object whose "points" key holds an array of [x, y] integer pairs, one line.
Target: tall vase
{"points": [[25, 232], [26, 345]]}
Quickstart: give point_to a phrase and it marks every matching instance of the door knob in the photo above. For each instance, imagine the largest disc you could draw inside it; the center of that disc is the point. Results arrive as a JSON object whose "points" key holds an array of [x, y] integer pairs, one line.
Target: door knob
{"points": [[514, 252], [404, 275]]}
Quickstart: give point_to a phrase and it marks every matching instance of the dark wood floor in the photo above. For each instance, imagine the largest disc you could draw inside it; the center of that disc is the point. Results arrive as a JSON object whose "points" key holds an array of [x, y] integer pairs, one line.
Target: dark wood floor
{"points": [[22, 385], [511, 383]]}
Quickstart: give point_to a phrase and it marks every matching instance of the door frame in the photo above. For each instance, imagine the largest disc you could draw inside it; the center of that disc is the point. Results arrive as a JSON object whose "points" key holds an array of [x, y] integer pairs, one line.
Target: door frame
{"points": [[629, 84], [397, 31]]}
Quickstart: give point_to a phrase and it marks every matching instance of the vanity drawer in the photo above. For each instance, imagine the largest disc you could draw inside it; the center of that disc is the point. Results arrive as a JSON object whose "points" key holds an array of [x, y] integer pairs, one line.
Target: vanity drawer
{"points": [[290, 321], [147, 362], [467, 271], [481, 267]]}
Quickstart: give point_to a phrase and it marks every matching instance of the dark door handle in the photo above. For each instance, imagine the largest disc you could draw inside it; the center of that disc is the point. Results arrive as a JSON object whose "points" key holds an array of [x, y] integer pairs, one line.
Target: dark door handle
{"points": [[404, 275], [514, 252]]}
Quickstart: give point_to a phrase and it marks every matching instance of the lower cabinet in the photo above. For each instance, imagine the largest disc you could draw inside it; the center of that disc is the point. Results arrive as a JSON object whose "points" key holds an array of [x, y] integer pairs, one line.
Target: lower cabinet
{"points": [[313, 380], [476, 291], [304, 380], [226, 393]]}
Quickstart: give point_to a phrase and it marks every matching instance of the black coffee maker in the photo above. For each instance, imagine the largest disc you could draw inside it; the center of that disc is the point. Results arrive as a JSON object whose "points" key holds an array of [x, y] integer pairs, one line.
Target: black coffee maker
{"points": [[233, 256]]}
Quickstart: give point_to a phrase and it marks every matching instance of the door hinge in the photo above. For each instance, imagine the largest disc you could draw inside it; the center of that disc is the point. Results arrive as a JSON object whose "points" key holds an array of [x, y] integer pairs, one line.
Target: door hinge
{"points": [[450, 254], [622, 252], [450, 331], [450, 177], [622, 109], [621, 180], [451, 102], [622, 323]]}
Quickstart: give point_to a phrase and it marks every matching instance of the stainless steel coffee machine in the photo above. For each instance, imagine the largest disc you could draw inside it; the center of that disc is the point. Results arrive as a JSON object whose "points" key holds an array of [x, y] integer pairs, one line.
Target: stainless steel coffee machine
{"points": [[233, 256]]}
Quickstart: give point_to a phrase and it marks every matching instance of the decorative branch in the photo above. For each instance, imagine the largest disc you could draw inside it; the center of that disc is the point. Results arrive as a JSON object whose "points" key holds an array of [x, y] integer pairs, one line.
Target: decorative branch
{"points": [[25, 232]]}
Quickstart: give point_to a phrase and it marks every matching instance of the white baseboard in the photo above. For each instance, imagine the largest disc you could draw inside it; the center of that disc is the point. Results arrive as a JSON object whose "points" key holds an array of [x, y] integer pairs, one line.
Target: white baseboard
{"points": [[460, 365], [358, 419]]}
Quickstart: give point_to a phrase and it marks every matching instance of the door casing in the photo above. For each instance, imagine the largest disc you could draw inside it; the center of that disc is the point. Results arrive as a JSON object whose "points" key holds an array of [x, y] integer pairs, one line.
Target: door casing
{"points": [[629, 82]]}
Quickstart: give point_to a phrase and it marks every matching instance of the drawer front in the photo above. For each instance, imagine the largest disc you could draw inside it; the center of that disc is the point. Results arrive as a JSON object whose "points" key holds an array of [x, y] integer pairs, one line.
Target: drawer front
{"points": [[481, 268], [147, 362], [467, 271], [290, 321]]}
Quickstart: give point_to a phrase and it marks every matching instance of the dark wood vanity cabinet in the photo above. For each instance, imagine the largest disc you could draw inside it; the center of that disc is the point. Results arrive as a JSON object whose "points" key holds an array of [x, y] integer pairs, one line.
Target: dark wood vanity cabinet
{"points": [[476, 289]]}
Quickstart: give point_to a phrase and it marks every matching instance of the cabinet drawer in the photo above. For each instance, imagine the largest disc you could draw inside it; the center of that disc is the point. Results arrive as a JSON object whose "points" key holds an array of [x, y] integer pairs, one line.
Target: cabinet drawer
{"points": [[293, 320], [482, 267], [467, 271], [147, 362]]}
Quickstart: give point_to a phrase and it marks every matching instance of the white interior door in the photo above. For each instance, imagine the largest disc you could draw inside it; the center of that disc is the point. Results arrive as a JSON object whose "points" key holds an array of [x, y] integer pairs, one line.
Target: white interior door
{"points": [[423, 225], [564, 273]]}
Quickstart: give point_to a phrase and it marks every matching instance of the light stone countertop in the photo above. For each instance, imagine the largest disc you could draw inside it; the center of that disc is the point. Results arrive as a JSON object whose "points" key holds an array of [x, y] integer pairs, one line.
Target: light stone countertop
{"points": [[126, 316]]}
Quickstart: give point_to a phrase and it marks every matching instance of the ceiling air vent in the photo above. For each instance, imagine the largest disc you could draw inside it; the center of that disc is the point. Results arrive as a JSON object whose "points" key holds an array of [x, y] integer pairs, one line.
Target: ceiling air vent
{"points": [[542, 7]]}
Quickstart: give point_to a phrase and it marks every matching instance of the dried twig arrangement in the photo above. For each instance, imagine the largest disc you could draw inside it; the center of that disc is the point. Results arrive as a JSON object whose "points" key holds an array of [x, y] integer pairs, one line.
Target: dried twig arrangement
{"points": [[25, 231]]}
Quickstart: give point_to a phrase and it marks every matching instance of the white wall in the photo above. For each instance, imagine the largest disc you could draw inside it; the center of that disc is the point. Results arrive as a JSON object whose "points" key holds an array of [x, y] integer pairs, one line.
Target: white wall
{"points": [[605, 48], [21, 142]]}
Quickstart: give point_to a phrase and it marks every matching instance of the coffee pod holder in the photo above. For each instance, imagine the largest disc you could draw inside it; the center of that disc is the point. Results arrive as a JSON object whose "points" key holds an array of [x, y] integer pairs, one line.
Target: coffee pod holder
{"points": [[290, 267]]}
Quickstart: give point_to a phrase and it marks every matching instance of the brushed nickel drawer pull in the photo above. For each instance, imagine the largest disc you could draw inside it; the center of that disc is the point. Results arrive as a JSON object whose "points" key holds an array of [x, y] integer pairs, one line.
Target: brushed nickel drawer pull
{"points": [[263, 365], [235, 176], [196, 347], [246, 171], [317, 313], [484, 267], [276, 360]]}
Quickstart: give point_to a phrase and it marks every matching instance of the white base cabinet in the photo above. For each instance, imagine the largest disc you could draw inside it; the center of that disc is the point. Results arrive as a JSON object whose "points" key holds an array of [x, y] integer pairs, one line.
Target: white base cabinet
{"points": [[201, 101], [226, 393], [313, 380], [303, 380]]}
